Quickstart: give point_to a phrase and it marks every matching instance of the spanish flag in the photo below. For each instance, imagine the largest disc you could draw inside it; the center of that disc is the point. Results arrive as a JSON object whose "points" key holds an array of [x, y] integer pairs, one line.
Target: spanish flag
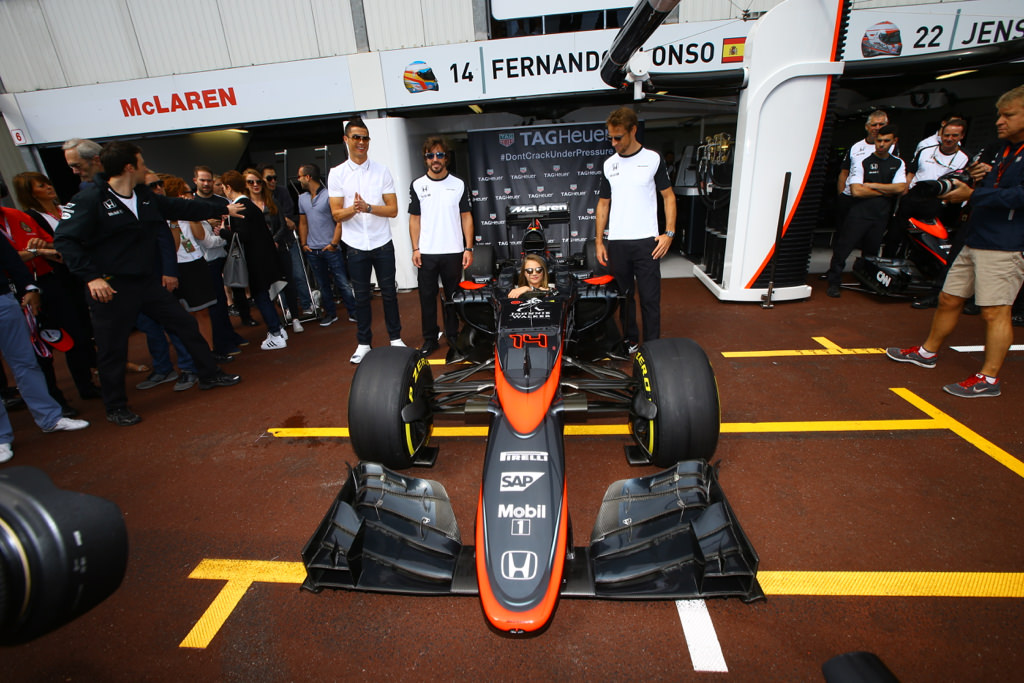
{"points": [[732, 50]]}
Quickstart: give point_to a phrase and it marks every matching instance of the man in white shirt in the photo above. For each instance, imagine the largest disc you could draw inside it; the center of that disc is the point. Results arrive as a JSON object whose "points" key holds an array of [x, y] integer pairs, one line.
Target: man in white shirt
{"points": [[362, 194], [631, 179], [441, 228]]}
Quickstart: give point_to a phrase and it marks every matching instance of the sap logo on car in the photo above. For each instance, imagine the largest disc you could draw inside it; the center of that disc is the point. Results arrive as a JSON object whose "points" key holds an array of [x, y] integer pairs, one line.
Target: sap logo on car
{"points": [[510, 511], [519, 565], [517, 482], [523, 456]]}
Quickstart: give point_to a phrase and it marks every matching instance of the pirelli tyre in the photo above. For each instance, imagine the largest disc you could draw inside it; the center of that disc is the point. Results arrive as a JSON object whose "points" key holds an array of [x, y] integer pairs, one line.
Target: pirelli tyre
{"points": [[389, 414], [675, 412], [482, 267]]}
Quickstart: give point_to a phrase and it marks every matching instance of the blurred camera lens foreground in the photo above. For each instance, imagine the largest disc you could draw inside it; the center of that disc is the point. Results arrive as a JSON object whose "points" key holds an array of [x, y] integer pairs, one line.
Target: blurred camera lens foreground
{"points": [[61, 554]]}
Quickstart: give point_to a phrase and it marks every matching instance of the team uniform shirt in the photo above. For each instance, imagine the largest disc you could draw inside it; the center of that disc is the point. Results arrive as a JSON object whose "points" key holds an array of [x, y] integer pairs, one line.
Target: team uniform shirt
{"points": [[860, 151], [19, 228], [319, 221], [932, 140], [876, 170], [931, 164], [635, 181], [371, 181], [439, 203]]}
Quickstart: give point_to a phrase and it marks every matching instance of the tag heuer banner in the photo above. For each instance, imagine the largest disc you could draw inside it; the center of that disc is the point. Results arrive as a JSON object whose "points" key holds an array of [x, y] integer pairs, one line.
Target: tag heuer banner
{"points": [[531, 169]]}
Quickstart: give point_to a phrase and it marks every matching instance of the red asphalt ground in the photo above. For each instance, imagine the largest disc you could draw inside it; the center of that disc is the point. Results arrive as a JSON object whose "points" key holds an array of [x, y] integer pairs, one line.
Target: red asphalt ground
{"points": [[827, 467]]}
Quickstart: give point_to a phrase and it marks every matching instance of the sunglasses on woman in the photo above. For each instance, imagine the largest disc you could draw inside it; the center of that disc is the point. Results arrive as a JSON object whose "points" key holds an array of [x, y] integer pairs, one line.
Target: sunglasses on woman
{"points": [[253, 182], [531, 271]]}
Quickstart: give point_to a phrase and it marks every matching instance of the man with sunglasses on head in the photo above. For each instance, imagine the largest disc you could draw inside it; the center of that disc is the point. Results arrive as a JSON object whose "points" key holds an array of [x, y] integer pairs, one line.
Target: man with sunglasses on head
{"points": [[441, 228], [627, 206], [363, 199]]}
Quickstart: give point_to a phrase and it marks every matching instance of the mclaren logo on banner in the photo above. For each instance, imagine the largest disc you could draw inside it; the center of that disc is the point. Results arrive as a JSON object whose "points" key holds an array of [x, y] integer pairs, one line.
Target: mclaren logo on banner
{"points": [[536, 165]]}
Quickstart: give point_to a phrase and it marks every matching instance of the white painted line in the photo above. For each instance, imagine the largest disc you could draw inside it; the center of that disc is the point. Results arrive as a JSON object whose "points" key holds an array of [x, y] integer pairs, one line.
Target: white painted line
{"points": [[976, 349], [701, 639]]}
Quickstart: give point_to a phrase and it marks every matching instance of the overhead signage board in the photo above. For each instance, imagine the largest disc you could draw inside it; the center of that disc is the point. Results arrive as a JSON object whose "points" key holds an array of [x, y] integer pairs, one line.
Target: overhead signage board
{"points": [[523, 9]]}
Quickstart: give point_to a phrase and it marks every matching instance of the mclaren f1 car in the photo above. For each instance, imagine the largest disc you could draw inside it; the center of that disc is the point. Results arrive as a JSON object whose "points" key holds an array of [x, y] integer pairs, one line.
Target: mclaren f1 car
{"points": [[527, 366]]}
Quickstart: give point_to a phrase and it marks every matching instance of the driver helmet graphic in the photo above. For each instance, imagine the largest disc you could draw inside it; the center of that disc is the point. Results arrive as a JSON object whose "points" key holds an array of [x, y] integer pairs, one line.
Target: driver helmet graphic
{"points": [[882, 39], [419, 77]]}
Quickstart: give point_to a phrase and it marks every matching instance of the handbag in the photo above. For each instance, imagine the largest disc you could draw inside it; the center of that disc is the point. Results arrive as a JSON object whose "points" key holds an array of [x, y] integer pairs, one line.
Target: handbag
{"points": [[236, 270]]}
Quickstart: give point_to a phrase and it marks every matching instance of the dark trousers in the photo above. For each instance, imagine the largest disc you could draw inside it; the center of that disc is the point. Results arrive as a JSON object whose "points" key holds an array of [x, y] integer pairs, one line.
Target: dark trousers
{"points": [[859, 230], [634, 269], [382, 262], [447, 267], [63, 309], [113, 322], [225, 339]]}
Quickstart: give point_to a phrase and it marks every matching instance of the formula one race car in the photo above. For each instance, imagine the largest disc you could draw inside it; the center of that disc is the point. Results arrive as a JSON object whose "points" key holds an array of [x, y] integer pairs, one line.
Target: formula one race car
{"points": [[529, 365]]}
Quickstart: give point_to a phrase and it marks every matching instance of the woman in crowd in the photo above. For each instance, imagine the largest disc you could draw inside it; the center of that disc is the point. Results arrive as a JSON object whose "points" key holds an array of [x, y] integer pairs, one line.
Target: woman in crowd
{"points": [[263, 198], [195, 286], [265, 274], [533, 278], [63, 298]]}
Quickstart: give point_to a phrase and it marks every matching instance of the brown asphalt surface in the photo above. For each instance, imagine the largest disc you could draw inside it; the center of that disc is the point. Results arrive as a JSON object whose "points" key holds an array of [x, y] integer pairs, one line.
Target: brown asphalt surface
{"points": [[200, 478]]}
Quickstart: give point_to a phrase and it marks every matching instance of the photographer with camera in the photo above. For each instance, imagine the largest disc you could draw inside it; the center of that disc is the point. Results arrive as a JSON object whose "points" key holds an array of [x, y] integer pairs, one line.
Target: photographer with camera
{"points": [[991, 264]]}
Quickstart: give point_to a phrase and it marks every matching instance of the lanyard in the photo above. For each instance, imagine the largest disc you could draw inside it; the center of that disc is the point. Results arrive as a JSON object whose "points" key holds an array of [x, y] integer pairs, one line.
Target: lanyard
{"points": [[1004, 163]]}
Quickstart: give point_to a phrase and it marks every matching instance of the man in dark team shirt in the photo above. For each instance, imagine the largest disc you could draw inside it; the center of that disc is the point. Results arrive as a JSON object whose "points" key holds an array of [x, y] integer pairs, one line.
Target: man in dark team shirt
{"points": [[874, 184]]}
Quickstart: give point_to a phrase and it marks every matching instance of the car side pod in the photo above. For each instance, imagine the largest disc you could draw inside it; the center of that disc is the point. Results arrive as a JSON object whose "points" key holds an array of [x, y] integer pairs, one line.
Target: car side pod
{"points": [[385, 532], [671, 535]]}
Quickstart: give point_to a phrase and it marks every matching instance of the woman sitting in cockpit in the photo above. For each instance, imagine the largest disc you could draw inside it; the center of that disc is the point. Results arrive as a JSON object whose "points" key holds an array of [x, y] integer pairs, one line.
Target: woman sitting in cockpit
{"points": [[533, 278]]}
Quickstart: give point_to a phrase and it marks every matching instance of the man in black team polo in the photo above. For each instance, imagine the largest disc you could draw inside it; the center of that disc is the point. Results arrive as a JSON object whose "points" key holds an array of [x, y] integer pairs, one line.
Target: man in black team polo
{"points": [[874, 184], [108, 237], [628, 208]]}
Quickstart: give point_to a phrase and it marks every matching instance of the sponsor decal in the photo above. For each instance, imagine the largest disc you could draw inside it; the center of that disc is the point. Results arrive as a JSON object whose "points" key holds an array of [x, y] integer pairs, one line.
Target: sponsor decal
{"points": [[183, 101], [475, 193], [519, 565], [528, 310], [520, 527], [511, 511], [535, 208], [523, 456], [517, 482], [506, 139], [490, 171]]}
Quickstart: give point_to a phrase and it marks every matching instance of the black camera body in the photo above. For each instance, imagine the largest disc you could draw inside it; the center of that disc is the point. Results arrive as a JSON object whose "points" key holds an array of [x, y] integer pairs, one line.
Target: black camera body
{"points": [[61, 554], [935, 188]]}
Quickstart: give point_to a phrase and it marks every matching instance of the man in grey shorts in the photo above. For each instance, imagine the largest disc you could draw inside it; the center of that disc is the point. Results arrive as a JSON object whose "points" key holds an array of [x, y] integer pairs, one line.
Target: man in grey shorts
{"points": [[991, 264]]}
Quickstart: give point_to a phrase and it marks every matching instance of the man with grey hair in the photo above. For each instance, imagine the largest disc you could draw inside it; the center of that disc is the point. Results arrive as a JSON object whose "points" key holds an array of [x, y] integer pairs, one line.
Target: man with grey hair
{"points": [[991, 264], [83, 157]]}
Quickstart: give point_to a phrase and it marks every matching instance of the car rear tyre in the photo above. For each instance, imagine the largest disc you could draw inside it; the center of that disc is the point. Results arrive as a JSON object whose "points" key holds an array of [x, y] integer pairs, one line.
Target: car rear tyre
{"points": [[675, 413], [389, 415]]}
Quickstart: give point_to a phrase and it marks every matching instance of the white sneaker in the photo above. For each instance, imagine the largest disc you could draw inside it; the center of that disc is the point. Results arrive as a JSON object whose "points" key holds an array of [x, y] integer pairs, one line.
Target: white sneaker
{"points": [[283, 332], [274, 342], [296, 326], [397, 342], [360, 353], [66, 424], [6, 452]]}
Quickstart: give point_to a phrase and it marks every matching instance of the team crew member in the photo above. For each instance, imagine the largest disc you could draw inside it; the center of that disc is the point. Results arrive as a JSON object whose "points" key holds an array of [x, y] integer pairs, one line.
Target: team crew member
{"points": [[108, 237], [857, 153], [362, 194], [991, 264], [441, 228], [628, 208], [874, 184]]}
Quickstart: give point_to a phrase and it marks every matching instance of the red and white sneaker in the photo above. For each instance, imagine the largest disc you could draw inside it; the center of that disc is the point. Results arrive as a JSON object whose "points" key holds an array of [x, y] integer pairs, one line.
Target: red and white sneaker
{"points": [[974, 386]]}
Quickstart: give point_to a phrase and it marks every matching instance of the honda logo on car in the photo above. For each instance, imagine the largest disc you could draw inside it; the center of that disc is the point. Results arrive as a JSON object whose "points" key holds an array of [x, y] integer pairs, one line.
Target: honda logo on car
{"points": [[519, 565], [523, 511], [519, 481]]}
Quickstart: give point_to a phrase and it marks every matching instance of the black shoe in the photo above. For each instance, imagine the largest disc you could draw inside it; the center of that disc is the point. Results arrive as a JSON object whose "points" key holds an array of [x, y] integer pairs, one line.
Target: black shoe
{"points": [[233, 310], [429, 347], [123, 417], [930, 301], [250, 322], [68, 411], [90, 392], [833, 291], [222, 358], [219, 379], [1017, 320]]}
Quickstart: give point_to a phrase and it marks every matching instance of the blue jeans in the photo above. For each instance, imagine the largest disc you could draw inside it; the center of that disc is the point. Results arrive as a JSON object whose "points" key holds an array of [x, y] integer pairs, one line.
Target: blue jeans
{"points": [[160, 350], [381, 261], [17, 351], [267, 310], [328, 266], [299, 279]]}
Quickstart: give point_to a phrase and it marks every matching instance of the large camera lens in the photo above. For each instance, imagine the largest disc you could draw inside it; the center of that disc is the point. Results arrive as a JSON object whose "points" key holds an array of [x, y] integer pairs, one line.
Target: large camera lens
{"points": [[61, 554]]}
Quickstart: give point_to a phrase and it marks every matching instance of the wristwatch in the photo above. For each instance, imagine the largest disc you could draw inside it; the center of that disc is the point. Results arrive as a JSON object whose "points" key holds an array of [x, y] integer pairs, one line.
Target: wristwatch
{"points": [[670, 233]]}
